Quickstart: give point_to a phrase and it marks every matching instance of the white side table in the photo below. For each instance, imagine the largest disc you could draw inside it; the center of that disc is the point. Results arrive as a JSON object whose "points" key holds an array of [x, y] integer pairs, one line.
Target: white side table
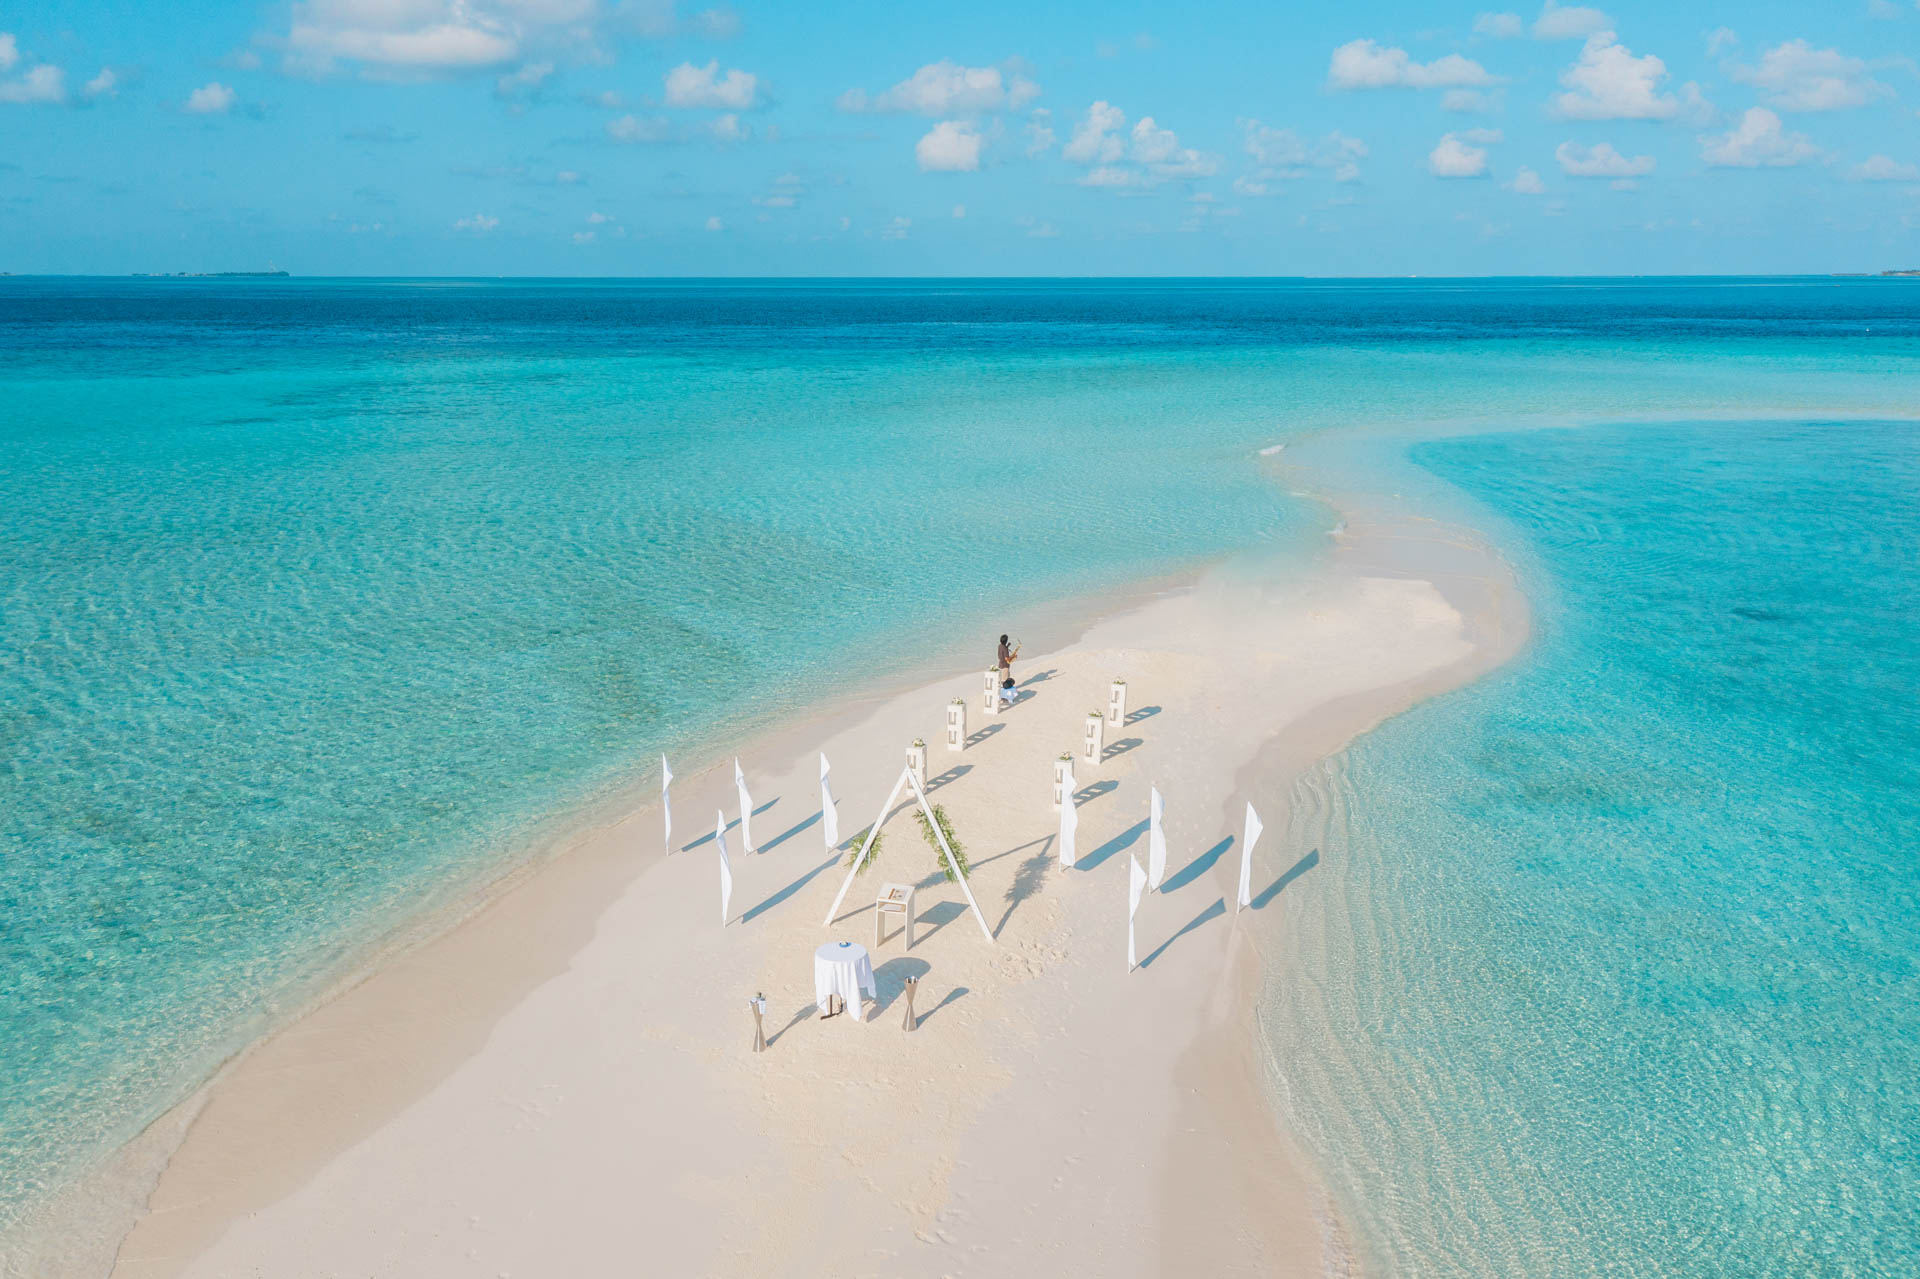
{"points": [[894, 899]]}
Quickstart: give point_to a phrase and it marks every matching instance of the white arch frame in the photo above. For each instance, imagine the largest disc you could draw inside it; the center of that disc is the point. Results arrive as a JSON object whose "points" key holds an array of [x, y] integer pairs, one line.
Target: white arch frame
{"points": [[907, 779]]}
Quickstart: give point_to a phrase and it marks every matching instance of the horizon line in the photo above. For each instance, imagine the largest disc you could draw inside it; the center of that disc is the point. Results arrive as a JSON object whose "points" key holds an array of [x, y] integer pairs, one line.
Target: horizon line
{"points": [[270, 275]]}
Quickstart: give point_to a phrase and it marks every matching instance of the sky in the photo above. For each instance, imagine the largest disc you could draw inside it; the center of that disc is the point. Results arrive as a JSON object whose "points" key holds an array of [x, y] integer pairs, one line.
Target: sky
{"points": [[637, 138]]}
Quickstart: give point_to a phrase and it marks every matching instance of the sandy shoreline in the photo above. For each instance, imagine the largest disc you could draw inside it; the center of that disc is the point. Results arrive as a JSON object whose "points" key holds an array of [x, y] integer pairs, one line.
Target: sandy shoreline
{"points": [[565, 1072]]}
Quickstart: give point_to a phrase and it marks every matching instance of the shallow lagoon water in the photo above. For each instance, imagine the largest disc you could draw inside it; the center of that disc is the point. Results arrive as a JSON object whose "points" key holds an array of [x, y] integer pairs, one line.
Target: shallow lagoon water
{"points": [[324, 600], [1622, 973]]}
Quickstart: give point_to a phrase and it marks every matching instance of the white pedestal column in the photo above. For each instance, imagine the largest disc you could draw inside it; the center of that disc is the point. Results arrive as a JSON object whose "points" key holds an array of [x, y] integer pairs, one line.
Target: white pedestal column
{"points": [[957, 724], [1117, 704], [990, 699], [1095, 740], [917, 761], [1062, 769]]}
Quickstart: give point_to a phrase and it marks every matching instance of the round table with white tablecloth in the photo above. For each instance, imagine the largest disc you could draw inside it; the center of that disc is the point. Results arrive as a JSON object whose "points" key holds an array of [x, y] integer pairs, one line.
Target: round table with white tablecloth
{"points": [[842, 968]]}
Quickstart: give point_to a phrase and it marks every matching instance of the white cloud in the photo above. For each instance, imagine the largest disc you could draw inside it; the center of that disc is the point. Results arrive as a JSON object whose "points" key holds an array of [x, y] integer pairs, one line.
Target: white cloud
{"points": [[1273, 148], [1469, 101], [1758, 140], [1885, 9], [1798, 77], [44, 83], [1527, 182], [1093, 140], [952, 146], [947, 88], [896, 229], [691, 86], [479, 224], [420, 34], [1498, 26], [1568, 22], [1037, 230], [1454, 157], [1040, 137], [1363, 64], [727, 128], [394, 38], [1146, 156], [1600, 161], [1721, 38], [525, 80], [717, 24], [104, 85], [1160, 150], [213, 98], [1609, 83], [1113, 176], [584, 237], [959, 211], [715, 224], [596, 218], [1282, 153], [398, 38], [633, 128], [1884, 168]]}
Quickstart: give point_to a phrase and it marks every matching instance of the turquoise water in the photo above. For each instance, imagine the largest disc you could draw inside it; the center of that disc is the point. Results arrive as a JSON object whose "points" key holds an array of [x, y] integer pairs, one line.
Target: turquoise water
{"points": [[1627, 970], [321, 601]]}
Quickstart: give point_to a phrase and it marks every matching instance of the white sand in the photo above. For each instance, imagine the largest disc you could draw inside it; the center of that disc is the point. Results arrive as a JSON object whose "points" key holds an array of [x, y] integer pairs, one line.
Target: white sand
{"points": [[562, 1084]]}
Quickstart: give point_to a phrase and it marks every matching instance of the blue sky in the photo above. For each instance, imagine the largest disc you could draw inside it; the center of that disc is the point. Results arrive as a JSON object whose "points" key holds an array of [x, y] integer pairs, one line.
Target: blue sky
{"points": [[628, 137]]}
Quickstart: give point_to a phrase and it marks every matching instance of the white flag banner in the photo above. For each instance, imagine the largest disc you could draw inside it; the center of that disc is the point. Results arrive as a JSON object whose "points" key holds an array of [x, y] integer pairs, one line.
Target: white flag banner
{"points": [[746, 807], [1069, 821], [1136, 886], [666, 803], [1246, 856], [829, 815], [1156, 841], [726, 867]]}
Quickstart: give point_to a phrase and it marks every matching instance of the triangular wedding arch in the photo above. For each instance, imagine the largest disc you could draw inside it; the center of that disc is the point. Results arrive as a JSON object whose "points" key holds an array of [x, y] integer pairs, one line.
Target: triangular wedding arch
{"points": [[907, 779]]}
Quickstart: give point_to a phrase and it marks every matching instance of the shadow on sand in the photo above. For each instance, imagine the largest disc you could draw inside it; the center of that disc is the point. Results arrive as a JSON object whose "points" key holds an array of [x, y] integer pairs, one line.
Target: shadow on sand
{"points": [[1123, 840], [708, 837], [1026, 881], [1197, 867], [1087, 794], [1214, 911], [890, 978], [789, 833], [1293, 872], [790, 889], [952, 996]]}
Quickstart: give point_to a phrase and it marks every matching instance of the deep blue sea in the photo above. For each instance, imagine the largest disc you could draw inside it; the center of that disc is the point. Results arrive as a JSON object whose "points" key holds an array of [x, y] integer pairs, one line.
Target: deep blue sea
{"points": [[322, 601]]}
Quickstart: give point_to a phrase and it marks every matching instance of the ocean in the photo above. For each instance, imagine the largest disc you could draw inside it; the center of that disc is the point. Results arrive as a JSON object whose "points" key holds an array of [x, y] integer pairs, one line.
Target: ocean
{"points": [[325, 601], [1625, 942]]}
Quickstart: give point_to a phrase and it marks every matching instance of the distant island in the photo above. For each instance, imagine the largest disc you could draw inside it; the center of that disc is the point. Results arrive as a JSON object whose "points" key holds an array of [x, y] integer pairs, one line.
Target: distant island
{"points": [[209, 275]]}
